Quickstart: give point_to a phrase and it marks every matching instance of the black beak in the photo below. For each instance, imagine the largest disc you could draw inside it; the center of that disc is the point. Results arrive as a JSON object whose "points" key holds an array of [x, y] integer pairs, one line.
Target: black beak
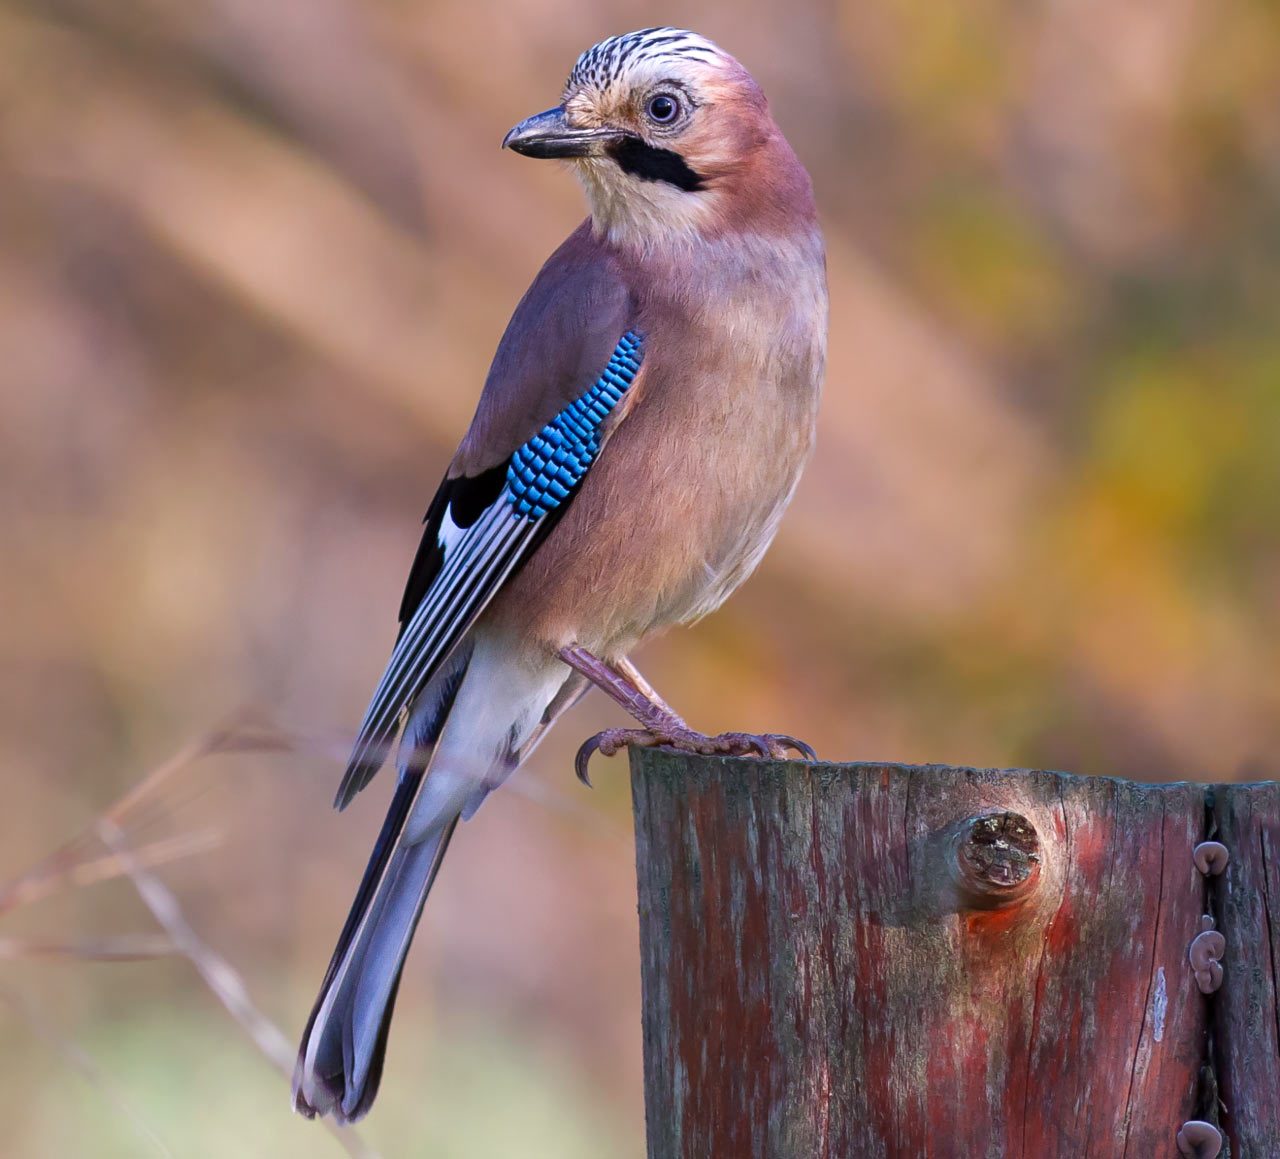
{"points": [[550, 135]]}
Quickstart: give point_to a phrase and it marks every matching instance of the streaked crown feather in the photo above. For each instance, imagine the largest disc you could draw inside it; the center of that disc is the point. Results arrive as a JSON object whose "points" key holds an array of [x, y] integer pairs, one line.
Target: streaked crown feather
{"points": [[605, 63]]}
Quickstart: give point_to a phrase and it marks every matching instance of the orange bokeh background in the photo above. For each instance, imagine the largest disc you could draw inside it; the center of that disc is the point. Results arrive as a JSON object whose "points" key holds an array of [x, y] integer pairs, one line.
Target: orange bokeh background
{"points": [[255, 259]]}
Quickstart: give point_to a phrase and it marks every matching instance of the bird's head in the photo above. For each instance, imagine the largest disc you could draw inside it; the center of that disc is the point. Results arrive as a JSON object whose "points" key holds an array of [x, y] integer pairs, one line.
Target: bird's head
{"points": [[671, 138]]}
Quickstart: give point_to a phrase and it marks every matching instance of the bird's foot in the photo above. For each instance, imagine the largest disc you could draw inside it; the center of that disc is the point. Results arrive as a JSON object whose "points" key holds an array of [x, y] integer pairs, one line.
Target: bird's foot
{"points": [[770, 745]]}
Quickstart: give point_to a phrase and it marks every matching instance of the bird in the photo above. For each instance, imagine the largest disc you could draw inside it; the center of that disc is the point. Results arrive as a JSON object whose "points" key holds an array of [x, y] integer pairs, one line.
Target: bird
{"points": [[641, 430]]}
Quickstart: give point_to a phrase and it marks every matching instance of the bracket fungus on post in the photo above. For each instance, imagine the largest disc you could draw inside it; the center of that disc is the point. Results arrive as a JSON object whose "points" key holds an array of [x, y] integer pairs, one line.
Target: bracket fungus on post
{"points": [[897, 961], [1211, 858], [1198, 1139], [1205, 955]]}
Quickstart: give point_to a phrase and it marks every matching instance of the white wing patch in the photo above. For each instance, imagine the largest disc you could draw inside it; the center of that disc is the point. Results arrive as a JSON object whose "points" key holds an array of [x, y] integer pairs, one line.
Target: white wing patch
{"points": [[477, 559], [450, 533]]}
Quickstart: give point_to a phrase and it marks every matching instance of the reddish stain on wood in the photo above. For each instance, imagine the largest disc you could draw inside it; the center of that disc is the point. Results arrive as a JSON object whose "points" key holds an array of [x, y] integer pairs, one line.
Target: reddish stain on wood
{"points": [[815, 985]]}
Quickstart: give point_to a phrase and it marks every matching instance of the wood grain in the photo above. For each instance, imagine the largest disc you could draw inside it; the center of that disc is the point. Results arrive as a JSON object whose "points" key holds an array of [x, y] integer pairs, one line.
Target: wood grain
{"points": [[816, 984], [1246, 1012]]}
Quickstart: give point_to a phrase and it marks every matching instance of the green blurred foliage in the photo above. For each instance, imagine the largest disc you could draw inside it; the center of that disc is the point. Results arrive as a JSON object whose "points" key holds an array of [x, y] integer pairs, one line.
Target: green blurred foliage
{"points": [[503, 1096]]}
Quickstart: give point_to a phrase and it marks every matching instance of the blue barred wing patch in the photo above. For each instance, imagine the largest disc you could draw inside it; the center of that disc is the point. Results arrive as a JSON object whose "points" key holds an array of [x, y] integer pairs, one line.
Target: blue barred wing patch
{"points": [[474, 553], [545, 470]]}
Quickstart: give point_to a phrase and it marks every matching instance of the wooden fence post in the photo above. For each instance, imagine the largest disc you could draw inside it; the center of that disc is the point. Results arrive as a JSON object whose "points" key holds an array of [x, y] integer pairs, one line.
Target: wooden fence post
{"points": [[849, 961]]}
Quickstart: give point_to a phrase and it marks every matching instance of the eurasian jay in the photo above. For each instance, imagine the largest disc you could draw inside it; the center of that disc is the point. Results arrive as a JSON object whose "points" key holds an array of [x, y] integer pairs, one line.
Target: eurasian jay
{"points": [[641, 430]]}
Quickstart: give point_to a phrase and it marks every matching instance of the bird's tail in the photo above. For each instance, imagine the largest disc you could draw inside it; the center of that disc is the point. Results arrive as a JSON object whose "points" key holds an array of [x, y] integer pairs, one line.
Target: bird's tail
{"points": [[466, 734], [340, 1060]]}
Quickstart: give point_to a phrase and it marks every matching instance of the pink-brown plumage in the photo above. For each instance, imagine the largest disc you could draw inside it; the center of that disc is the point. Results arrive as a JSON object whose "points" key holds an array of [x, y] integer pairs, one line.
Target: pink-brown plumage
{"points": [[702, 241], [695, 472]]}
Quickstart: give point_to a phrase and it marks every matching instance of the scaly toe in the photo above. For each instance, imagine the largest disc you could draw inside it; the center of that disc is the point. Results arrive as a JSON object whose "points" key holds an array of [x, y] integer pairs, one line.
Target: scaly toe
{"points": [[770, 745], [743, 744], [613, 741]]}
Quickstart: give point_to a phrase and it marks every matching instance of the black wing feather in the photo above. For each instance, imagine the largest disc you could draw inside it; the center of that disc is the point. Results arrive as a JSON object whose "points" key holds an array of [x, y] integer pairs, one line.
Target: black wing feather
{"points": [[480, 529], [468, 496]]}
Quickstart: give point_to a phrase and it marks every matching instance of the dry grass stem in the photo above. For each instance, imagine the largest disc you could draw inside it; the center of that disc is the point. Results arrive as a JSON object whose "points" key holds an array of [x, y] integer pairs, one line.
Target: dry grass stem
{"points": [[80, 862], [218, 974], [246, 731], [575, 804], [75, 1056], [50, 878], [122, 948]]}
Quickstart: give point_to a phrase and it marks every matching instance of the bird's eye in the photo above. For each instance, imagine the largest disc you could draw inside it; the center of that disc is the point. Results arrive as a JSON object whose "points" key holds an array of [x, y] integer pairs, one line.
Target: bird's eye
{"points": [[663, 108]]}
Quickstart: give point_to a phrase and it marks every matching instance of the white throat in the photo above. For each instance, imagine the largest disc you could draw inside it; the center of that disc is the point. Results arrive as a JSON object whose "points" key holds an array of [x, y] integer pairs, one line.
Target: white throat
{"points": [[635, 213]]}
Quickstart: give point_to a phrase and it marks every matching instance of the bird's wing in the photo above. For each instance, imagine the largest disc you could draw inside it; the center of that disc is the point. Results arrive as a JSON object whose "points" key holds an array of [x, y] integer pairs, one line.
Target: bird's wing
{"points": [[567, 358]]}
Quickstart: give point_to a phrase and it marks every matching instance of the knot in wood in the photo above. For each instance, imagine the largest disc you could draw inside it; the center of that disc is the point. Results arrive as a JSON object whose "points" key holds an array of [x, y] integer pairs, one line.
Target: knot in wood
{"points": [[996, 860], [1199, 1140]]}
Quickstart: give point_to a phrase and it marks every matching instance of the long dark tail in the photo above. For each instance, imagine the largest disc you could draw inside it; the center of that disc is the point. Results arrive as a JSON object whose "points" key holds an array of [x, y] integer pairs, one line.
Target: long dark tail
{"points": [[340, 1059]]}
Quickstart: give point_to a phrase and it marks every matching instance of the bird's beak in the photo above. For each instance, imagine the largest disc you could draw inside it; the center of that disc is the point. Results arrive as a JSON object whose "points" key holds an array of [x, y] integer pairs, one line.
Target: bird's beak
{"points": [[550, 135]]}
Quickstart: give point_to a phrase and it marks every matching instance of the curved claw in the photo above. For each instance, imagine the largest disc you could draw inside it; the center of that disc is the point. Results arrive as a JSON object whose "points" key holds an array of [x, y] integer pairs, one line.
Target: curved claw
{"points": [[791, 742], [768, 746], [583, 758], [771, 746]]}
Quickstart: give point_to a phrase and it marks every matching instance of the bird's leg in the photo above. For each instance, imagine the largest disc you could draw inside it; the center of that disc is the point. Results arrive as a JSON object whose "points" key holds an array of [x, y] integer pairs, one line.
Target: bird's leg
{"points": [[642, 686], [662, 727], [623, 688]]}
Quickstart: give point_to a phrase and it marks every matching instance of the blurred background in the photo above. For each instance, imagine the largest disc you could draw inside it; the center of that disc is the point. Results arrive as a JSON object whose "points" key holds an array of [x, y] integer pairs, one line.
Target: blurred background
{"points": [[254, 260]]}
